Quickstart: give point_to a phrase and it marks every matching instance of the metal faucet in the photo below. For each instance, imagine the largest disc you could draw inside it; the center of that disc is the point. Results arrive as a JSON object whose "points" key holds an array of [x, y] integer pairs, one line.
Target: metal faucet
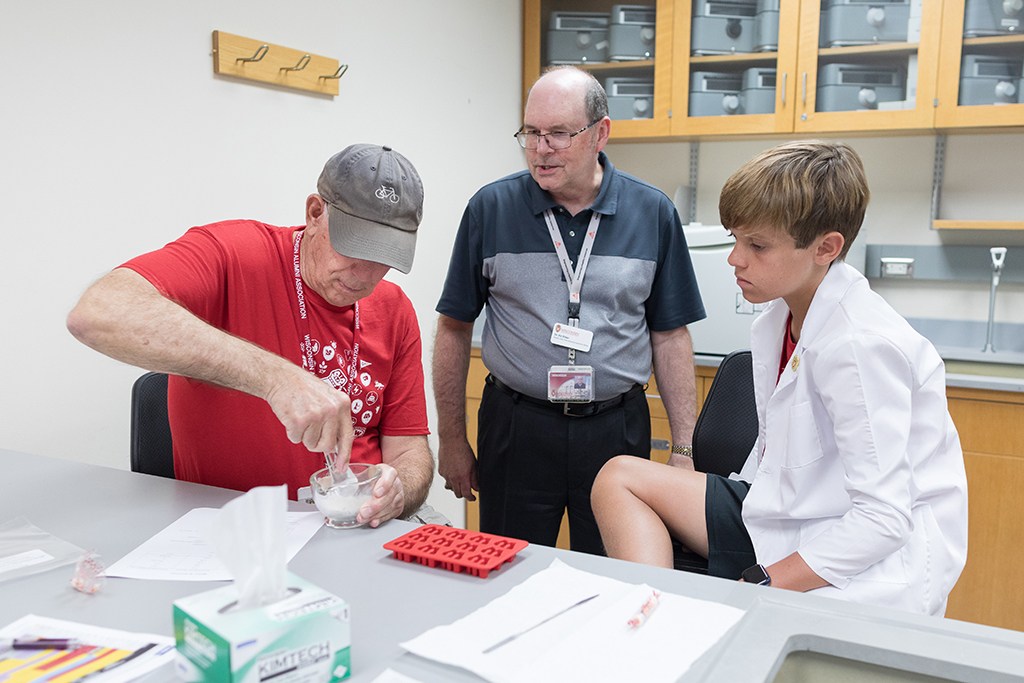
{"points": [[998, 255]]}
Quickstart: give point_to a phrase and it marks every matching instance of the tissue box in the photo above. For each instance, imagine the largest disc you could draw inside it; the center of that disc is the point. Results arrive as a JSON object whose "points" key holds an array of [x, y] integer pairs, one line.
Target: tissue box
{"points": [[304, 638]]}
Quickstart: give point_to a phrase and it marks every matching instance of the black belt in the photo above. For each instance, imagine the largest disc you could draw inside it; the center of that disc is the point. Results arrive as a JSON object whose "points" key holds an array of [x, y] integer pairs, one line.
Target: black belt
{"points": [[570, 409]]}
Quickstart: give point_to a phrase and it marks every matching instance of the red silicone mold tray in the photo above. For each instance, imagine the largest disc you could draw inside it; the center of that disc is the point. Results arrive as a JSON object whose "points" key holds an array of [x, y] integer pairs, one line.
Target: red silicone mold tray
{"points": [[457, 550]]}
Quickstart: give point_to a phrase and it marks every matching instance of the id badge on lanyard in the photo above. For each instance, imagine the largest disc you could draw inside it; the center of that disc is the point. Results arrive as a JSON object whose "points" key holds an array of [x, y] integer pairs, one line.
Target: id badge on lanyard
{"points": [[572, 383]]}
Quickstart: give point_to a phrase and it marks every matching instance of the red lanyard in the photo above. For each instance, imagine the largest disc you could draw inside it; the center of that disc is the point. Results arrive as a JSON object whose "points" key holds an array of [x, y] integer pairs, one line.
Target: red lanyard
{"points": [[306, 346]]}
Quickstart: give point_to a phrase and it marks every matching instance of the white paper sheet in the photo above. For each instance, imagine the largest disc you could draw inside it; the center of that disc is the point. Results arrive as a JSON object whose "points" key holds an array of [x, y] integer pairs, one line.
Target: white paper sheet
{"points": [[182, 551], [391, 676], [592, 642], [115, 656]]}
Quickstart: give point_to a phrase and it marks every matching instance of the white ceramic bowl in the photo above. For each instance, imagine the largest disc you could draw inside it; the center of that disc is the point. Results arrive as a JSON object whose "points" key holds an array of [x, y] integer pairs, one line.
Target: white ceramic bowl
{"points": [[340, 503]]}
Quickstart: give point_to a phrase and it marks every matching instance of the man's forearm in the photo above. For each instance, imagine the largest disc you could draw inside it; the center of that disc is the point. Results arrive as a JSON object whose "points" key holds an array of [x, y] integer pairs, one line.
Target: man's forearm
{"points": [[411, 457], [450, 368], [125, 317], [677, 384]]}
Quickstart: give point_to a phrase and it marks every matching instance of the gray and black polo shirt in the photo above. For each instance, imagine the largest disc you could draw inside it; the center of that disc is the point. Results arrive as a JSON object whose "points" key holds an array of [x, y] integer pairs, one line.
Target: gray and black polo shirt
{"points": [[639, 279]]}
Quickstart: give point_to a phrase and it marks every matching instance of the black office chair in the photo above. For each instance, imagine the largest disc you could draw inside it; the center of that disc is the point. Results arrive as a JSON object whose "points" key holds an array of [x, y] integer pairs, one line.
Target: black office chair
{"points": [[725, 432], [151, 451]]}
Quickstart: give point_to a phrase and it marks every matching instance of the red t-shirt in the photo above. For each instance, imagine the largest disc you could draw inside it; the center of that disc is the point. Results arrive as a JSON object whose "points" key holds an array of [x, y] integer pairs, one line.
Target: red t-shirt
{"points": [[237, 275], [788, 347]]}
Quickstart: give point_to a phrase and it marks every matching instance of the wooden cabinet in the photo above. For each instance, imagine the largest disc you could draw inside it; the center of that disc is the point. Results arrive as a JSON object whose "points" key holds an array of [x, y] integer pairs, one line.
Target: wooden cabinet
{"points": [[797, 63], [991, 427], [949, 113], [921, 56], [935, 56], [686, 66], [536, 26]]}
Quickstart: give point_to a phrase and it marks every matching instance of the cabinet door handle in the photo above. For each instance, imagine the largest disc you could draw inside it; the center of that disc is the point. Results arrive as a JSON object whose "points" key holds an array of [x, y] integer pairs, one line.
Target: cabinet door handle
{"points": [[784, 74], [804, 96]]}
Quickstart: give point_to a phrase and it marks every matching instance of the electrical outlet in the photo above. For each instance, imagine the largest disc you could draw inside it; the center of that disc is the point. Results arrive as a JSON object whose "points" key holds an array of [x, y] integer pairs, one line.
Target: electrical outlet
{"points": [[897, 267]]}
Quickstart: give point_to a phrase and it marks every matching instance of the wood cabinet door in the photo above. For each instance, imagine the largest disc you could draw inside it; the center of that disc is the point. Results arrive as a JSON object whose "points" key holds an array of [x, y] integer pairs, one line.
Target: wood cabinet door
{"points": [[949, 113], [809, 117], [537, 16], [991, 589], [783, 61]]}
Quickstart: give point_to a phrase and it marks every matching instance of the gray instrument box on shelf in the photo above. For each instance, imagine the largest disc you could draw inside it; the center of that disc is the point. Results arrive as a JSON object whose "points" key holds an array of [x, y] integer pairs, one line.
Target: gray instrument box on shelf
{"points": [[848, 87], [631, 33], [986, 79], [863, 22], [758, 93], [722, 27], [630, 98], [766, 26], [714, 93], [991, 18], [577, 37]]}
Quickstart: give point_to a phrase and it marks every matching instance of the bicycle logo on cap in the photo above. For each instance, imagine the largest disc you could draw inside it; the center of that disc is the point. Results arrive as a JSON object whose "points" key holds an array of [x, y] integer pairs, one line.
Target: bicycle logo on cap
{"points": [[387, 193]]}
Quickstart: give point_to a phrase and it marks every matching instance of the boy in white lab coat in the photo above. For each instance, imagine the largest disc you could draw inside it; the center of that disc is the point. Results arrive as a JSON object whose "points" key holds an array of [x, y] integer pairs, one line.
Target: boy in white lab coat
{"points": [[857, 488]]}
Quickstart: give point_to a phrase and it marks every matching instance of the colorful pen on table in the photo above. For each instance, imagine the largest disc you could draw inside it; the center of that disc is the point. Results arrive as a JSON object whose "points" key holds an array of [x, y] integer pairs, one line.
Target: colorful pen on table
{"points": [[29, 643], [645, 611]]}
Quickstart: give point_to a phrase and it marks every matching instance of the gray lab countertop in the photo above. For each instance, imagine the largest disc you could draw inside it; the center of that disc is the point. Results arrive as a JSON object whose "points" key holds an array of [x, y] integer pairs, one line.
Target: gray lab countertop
{"points": [[392, 601]]}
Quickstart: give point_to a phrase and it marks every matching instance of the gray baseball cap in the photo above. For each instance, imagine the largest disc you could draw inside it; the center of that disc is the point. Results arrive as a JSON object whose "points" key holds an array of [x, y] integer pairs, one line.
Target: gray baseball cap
{"points": [[375, 204]]}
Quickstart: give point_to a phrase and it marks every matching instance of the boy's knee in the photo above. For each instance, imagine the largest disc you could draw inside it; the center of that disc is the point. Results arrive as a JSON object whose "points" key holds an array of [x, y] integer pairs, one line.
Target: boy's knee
{"points": [[617, 467], [613, 475]]}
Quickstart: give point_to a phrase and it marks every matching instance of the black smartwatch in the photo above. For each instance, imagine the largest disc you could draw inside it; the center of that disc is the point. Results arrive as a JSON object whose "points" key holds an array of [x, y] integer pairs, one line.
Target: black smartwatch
{"points": [[756, 574]]}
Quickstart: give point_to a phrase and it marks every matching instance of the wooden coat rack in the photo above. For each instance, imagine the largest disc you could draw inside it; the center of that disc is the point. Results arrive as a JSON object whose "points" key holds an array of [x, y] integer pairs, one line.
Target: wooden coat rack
{"points": [[253, 60]]}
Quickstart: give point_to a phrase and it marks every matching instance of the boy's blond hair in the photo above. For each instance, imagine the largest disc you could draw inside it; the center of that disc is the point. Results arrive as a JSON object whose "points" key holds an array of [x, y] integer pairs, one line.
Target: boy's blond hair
{"points": [[805, 188]]}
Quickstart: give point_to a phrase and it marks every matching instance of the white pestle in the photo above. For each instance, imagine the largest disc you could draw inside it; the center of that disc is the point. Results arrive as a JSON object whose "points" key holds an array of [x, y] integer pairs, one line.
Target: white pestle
{"points": [[336, 476]]}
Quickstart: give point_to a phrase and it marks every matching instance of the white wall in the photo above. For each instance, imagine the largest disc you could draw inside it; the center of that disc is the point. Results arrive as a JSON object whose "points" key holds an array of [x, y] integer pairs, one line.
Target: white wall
{"points": [[116, 137], [982, 182]]}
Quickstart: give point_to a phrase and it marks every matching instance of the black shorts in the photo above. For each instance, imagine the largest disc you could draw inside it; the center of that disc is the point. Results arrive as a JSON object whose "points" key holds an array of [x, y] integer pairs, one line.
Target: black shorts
{"points": [[729, 548]]}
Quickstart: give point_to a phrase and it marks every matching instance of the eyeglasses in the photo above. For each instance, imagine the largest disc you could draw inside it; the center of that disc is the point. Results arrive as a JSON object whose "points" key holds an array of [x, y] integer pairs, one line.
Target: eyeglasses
{"points": [[530, 140]]}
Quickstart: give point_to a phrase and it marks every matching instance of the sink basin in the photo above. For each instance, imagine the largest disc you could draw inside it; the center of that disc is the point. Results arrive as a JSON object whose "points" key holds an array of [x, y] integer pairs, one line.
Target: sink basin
{"points": [[812, 667], [810, 658]]}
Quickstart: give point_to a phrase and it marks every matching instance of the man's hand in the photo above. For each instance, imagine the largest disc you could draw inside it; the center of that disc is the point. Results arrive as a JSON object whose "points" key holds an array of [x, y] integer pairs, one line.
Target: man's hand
{"points": [[457, 464], [388, 499], [314, 414]]}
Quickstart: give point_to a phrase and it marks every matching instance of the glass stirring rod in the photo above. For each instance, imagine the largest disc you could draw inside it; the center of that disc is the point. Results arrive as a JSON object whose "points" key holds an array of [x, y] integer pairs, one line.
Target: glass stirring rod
{"points": [[539, 623]]}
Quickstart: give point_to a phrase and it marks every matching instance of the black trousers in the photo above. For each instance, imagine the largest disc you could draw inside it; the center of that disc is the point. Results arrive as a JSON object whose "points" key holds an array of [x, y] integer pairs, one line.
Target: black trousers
{"points": [[534, 463]]}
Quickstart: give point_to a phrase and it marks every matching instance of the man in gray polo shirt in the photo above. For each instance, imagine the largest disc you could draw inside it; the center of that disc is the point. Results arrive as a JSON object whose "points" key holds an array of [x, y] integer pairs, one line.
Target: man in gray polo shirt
{"points": [[587, 279]]}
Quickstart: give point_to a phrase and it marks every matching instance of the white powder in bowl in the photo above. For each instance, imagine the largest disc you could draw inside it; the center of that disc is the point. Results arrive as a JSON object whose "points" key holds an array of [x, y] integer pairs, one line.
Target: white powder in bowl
{"points": [[341, 503]]}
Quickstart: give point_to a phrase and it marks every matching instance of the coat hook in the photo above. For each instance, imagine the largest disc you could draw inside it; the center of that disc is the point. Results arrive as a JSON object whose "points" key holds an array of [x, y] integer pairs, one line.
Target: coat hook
{"points": [[339, 73], [298, 67], [261, 52]]}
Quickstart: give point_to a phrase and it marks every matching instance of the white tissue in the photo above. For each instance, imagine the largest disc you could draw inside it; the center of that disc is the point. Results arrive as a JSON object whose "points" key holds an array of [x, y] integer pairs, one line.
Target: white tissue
{"points": [[249, 537]]}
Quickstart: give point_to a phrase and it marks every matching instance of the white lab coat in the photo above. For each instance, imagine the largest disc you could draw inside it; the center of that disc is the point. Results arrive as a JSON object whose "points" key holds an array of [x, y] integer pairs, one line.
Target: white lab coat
{"points": [[862, 471]]}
